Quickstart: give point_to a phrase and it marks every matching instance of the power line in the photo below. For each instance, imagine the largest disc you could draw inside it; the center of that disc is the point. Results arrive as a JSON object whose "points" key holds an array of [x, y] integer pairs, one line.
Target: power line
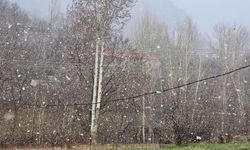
{"points": [[133, 98], [183, 85]]}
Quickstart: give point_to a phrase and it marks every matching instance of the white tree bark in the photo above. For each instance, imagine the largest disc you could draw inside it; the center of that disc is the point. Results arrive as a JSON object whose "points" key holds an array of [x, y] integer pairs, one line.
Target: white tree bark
{"points": [[97, 93], [196, 91], [93, 114], [143, 119], [99, 96], [54, 13]]}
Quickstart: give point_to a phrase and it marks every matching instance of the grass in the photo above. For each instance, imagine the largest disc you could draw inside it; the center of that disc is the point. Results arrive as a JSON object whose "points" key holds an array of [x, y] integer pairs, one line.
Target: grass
{"points": [[230, 146], [201, 146]]}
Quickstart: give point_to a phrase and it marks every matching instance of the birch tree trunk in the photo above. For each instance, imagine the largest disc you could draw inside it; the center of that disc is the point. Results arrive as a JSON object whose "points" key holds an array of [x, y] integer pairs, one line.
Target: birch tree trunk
{"points": [[99, 96], [97, 93], [93, 113], [196, 92], [143, 119]]}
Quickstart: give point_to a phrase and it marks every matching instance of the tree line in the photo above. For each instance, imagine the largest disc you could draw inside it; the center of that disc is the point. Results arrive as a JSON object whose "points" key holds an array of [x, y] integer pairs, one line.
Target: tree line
{"points": [[53, 63]]}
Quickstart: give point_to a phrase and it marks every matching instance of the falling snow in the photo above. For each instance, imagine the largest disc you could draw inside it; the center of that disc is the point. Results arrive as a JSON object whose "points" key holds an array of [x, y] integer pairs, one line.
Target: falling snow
{"points": [[77, 77]]}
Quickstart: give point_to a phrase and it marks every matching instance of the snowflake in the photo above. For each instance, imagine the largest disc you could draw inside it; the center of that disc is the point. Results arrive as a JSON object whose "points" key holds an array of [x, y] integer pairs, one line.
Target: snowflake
{"points": [[9, 26], [8, 116], [34, 83], [198, 138], [68, 78], [158, 92]]}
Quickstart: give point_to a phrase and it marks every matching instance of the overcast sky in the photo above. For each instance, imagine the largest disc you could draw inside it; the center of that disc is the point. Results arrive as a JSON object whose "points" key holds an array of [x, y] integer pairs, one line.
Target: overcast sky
{"points": [[205, 13]]}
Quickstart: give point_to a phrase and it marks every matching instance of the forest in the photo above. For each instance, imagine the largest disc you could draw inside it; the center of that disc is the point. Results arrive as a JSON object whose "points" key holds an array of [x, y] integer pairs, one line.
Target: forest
{"points": [[77, 80]]}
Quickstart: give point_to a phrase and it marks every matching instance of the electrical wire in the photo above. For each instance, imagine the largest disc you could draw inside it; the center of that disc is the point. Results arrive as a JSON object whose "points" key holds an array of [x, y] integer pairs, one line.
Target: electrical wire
{"points": [[133, 98]]}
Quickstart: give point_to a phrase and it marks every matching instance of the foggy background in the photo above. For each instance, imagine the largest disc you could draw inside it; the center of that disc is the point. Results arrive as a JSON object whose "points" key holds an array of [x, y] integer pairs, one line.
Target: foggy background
{"points": [[204, 13]]}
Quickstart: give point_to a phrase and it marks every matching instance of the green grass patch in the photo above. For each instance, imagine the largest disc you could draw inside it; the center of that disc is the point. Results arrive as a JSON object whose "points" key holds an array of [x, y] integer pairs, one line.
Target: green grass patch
{"points": [[203, 146], [230, 146]]}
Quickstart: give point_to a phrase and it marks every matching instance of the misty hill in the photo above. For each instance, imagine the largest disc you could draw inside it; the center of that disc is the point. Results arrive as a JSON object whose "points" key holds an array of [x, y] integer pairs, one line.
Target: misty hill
{"points": [[164, 10]]}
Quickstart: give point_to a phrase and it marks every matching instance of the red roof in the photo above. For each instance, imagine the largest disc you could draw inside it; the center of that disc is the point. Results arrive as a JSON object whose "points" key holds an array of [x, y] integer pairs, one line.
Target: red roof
{"points": [[123, 55]]}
